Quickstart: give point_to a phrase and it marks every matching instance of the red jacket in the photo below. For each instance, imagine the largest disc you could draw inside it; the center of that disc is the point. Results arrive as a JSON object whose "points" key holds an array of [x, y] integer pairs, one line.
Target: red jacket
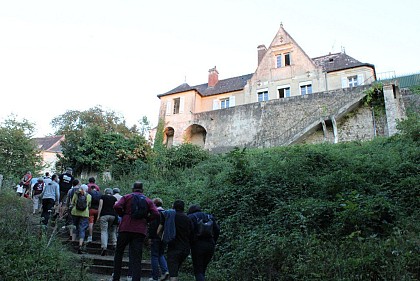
{"points": [[128, 224]]}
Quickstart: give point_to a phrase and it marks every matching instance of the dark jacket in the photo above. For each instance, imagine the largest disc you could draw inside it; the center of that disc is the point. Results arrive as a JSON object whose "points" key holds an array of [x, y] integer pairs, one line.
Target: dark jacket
{"points": [[183, 231], [195, 217]]}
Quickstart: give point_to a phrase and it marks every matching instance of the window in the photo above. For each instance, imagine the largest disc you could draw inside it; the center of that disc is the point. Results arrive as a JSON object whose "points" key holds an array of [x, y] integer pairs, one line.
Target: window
{"points": [[306, 89], [224, 103], [177, 103], [284, 92], [352, 81], [263, 96], [287, 59], [278, 58]]}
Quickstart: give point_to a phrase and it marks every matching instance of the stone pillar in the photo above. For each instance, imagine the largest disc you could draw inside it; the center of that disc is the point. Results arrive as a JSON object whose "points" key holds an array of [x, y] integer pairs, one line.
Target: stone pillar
{"points": [[335, 130], [392, 107]]}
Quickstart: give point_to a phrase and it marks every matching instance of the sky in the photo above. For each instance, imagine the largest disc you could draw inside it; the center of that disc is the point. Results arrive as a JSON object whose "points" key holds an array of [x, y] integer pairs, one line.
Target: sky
{"points": [[58, 55]]}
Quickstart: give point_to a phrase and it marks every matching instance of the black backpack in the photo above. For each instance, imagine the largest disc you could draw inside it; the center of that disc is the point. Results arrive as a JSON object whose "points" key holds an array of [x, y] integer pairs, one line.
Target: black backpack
{"points": [[81, 202], [139, 207], [204, 227], [38, 188], [96, 197]]}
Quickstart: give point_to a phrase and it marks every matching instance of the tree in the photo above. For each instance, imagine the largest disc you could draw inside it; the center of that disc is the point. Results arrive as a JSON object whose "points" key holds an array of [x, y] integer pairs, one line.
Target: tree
{"points": [[145, 126], [98, 141], [18, 152], [75, 121]]}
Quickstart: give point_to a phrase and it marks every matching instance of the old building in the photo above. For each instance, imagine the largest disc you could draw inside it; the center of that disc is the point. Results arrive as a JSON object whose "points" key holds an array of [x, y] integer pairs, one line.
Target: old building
{"points": [[49, 146], [216, 113]]}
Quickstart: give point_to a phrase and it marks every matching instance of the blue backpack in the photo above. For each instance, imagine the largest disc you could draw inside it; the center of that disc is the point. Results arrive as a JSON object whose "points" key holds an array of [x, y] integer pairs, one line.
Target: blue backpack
{"points": [[139, 207]]}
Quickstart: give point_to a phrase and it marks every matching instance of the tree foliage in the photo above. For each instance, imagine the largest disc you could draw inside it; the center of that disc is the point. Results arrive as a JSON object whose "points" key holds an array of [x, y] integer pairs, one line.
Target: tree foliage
{"points": [[98, 141], [75, 121], [18, 152]]}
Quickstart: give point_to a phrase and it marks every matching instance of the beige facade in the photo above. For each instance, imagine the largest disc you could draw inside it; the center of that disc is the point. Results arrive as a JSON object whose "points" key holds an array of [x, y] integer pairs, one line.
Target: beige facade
{"points": [[284, 71], [50, 147]]}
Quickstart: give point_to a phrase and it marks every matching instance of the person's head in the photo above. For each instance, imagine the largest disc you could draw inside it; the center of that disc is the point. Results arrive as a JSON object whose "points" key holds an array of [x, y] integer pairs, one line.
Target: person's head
{"points": [[179, 205], [108, 191], [194, 209], [116, 190], [75, 182], [158, 202], [47, 174], [29, 172], [40, 179], [138, 186], [84, 187], [54, 177], [69, 170], [91, 180]]}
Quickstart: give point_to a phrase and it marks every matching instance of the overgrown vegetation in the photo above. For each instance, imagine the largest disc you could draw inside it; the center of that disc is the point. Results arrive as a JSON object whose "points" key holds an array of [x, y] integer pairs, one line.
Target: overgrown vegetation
{"points": [[347, 211], [24, 254], [18, 152]]}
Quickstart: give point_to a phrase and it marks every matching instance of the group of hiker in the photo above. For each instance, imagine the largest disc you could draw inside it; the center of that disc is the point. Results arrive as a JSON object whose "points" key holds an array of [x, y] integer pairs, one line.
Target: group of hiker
{"points": [[130, 220]]}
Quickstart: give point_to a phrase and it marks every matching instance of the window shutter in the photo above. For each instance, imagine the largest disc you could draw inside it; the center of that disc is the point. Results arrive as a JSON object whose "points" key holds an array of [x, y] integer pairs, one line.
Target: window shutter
{"points": [[216, 104], [168, 108], [344, 82], [181, 104], [231, 101], [360, 79]]}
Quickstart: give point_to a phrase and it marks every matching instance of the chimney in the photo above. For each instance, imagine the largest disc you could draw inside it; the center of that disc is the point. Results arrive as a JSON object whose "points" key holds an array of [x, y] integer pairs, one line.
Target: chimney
{"points": [[261, 52], [213, 77]]}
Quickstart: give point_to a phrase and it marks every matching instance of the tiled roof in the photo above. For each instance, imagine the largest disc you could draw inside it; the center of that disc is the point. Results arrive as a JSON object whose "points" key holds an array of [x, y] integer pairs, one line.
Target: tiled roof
{"points": [[338, 61], [51, 143], [329, 63], [223, 86]]}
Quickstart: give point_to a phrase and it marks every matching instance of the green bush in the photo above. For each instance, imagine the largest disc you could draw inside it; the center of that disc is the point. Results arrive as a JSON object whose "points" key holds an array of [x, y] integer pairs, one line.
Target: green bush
{"points": [[24, 250]]}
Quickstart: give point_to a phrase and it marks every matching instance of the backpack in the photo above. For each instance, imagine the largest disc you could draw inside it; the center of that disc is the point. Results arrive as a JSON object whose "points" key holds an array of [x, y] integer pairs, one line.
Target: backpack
{"points": [[38, 188], [204, 227], [96, 196], [139, 207], [81, 202]]}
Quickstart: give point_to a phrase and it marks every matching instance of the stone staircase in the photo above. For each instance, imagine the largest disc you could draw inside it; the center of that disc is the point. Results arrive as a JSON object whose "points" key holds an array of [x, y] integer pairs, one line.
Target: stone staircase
{"points": [[102, 266], [99, 267]]}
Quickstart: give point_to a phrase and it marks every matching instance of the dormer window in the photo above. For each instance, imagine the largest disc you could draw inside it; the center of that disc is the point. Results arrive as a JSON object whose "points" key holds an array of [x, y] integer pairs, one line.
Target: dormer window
{"points": [[278, 58], [283, 60], [287, 59]]}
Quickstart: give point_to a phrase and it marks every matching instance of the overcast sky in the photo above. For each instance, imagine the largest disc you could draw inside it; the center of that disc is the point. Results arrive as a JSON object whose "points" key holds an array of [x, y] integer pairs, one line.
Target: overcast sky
{"points": [[73, 55]]}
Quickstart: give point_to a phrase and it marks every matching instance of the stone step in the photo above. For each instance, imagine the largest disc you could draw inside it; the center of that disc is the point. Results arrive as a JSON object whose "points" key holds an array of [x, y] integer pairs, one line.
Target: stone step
{"points": [[105, 265]]}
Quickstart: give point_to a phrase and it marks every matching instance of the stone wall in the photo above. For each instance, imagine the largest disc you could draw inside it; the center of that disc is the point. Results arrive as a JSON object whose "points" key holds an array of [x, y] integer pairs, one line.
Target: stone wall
{"points": [[411, 101], [284, 121]]}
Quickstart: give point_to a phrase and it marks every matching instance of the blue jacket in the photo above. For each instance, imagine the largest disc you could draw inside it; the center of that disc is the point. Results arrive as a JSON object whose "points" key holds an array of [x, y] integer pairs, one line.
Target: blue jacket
{"points": [[169, 229]]}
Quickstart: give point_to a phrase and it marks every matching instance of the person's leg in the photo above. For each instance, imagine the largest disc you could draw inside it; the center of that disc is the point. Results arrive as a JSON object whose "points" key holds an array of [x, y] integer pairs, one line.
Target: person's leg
{"points": [[113, 231], [154, 258], [175, 259], [35, 200], [93, 214], [162, 260], [136, 252], [207, 256], [47, 205], [122, 242], [83, 225], [103, 222]]}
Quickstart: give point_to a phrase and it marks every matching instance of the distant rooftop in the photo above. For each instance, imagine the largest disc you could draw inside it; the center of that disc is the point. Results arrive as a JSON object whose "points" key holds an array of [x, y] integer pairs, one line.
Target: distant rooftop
{"points": [[50, 144], [337, 61], [222, 86]]}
